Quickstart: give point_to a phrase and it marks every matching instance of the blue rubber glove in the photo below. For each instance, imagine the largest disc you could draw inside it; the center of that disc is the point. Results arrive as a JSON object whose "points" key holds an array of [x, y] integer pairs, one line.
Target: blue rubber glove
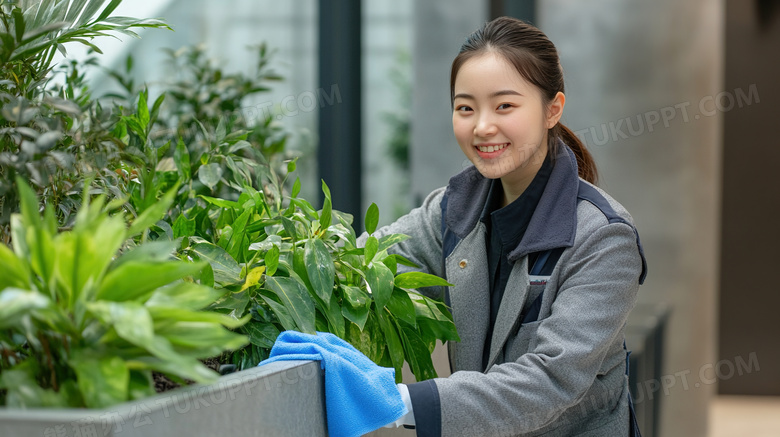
{"points": [[360, 396]]}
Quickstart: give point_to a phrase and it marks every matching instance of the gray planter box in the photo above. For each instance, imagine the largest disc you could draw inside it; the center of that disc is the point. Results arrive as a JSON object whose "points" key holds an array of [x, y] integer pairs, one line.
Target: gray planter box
{"points": [[281, 399]]}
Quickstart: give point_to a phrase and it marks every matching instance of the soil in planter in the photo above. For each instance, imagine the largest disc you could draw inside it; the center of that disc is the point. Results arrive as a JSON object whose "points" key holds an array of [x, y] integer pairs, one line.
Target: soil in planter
{"points": [[162, 383]]}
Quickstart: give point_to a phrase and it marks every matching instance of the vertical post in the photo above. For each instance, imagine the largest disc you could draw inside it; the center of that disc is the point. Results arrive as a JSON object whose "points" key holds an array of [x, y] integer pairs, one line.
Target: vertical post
{"points": [[522, 9], [339, 151]]}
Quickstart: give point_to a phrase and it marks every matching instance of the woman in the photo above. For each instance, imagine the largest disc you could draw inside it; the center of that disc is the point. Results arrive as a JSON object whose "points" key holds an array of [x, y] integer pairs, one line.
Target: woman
{"points": [[545, 266]]}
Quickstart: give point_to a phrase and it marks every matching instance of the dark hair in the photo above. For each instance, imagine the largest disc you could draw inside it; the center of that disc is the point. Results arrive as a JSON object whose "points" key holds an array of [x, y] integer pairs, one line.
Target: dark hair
{"points": [[534, 56]]}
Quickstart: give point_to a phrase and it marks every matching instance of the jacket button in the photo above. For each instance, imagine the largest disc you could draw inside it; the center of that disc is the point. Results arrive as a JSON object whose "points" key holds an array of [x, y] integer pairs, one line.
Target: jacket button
{"points": [[463, 263]]}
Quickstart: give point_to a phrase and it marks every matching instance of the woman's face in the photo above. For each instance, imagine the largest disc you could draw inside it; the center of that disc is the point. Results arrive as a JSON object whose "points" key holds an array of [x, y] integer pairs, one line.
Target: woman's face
{"points": [[500, 120]]}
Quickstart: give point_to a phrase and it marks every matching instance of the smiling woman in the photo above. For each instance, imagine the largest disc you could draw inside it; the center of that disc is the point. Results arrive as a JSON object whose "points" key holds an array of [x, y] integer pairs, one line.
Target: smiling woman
{"points": [[501, 121], [545, 266]]}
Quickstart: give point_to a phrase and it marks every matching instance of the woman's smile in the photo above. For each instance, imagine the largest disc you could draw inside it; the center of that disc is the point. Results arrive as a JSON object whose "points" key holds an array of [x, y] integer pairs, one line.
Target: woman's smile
{"points": [[490, 150]]}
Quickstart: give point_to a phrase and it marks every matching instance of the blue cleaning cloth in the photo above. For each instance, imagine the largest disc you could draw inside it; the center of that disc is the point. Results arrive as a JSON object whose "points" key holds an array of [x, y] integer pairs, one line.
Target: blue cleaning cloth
{"points": [[360, 396]]}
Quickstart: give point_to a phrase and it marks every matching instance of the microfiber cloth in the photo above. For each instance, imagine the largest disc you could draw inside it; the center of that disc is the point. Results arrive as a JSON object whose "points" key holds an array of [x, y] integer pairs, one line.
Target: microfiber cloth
{"points": [[360, 396]]}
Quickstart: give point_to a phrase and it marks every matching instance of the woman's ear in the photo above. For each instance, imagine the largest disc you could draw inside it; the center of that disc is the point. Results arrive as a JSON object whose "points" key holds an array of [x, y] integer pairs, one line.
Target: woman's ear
{"points": [[555, 110]]}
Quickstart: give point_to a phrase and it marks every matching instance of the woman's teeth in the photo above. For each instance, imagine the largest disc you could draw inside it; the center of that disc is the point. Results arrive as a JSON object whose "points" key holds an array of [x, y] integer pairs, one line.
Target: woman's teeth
{"points": [[489, 149]]}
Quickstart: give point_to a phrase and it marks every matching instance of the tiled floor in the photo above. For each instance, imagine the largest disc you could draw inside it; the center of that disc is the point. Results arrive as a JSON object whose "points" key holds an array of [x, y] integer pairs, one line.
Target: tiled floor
{"points": [[751, 416]]}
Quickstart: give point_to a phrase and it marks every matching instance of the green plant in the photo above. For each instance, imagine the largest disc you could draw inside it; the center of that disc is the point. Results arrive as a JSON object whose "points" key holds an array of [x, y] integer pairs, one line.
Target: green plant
{"points": [[77, 326], [292, 267], [33, 31], [206, 109], [53, 136]]}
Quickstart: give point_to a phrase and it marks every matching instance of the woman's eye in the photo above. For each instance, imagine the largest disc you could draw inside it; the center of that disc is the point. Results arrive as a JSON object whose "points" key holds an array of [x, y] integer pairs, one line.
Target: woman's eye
{"points": [[463, 108], [505, 106]]}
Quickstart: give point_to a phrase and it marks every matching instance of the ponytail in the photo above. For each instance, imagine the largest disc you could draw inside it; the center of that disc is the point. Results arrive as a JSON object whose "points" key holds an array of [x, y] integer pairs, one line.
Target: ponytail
{"points": [[586, 166]]}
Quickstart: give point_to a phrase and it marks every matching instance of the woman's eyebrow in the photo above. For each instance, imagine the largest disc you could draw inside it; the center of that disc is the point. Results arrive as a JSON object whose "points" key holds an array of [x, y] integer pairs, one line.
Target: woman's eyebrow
{"points": [[495, 94], [505, 93]]}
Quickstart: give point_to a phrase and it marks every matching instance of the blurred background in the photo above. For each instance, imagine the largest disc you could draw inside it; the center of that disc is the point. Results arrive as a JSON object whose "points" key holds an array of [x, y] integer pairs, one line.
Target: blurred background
{"points": [[676, 100]]}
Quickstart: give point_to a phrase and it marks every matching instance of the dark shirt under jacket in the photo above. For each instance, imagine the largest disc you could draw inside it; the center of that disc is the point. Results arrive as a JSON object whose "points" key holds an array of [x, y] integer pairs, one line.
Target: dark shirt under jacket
{"points": [[505, 229]]}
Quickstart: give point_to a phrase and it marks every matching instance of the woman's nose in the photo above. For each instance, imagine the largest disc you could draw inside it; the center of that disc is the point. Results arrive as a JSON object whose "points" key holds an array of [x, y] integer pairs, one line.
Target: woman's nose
{"points": [[485, 127]]}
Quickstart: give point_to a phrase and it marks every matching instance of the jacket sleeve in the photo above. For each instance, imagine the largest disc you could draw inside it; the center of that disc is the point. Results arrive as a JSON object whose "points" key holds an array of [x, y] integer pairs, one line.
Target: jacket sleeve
{"points": [[597, 289], [423, 226]]}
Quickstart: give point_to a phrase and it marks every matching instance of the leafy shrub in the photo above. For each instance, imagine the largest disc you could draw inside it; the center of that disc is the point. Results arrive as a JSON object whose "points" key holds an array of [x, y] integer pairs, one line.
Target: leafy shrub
{"points": [[77, 326], [53, 138], [292, 267]]}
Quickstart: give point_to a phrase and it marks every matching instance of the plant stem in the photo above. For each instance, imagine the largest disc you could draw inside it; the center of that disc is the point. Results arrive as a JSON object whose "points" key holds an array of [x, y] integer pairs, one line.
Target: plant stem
{"points": [[47, 350]]}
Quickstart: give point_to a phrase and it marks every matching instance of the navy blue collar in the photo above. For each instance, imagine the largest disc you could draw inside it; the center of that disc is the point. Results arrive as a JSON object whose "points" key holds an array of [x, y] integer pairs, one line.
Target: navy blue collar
{"points": [[553, 224]]}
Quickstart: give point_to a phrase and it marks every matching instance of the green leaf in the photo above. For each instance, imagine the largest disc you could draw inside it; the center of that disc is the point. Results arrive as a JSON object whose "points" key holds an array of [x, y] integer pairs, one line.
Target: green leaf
{"points": [[299, 266], [131, 320], [122, 283], [404, 261], [439, 330], [184, 295], [18, 24], [222, 203], [372, 218], [226, 269], [417, 354], [394, 346], [281, 312], [272, 260], [380, 279], [415, 280], [32, 240], [181, 156], [13, 271], [370, 250], [296, 300], [391, 264], [355, 296], [168, 361], [401, 306], [143, 110], [160, 250], [184, 227], [327, 208], [85, 254], [141, 385], [335, 317], [153, 213], [289, 227], [262, 334], [103, 381], [203, 340], [390, 240], [207, 276], [319, 268], [291, 165], [238, 241], [357, 305], [108, 10], [356, 315], [236, 302], [24, 391], [15, 304], [210, 174], [164, 316], [370, 340], [296, 189]]}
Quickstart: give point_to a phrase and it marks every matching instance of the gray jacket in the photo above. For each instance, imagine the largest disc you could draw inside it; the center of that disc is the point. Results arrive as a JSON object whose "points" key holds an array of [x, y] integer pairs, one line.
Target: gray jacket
{"points": [[561, 375]]}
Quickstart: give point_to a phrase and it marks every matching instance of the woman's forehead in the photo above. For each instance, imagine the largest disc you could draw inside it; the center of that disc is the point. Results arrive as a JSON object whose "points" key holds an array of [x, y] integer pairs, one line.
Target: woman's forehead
{"points": [[490, 73]]}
